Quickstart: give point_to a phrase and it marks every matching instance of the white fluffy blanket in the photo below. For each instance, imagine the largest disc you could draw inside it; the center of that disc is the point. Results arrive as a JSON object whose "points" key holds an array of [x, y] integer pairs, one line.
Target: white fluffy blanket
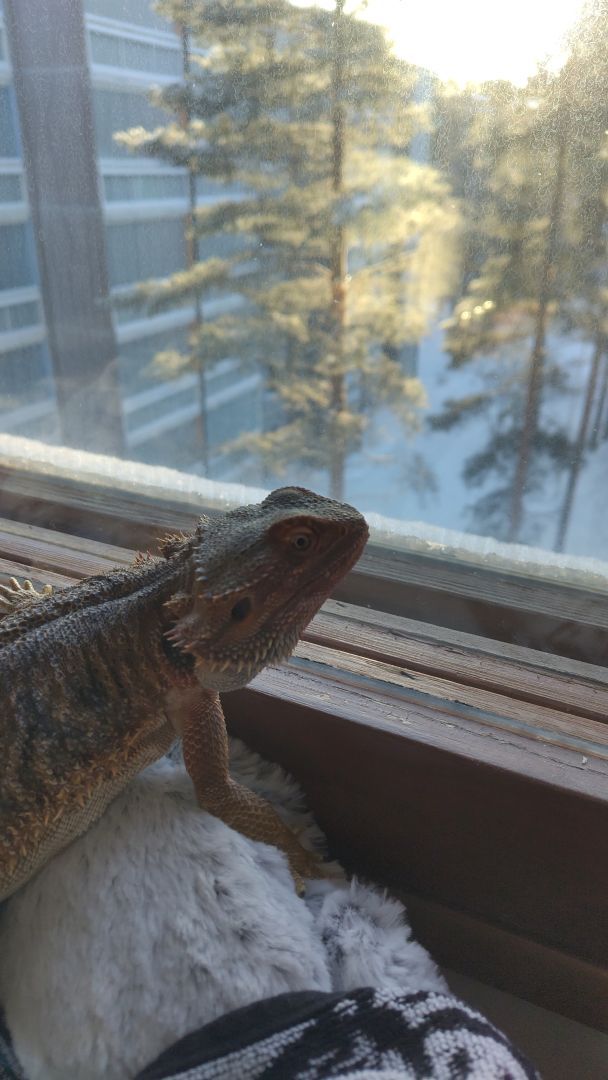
{"points": [[161, 918]]}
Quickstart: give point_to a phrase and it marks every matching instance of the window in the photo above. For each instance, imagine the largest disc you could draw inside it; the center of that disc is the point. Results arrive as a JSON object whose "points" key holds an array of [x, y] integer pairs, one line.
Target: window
{"points": [[10, 189], [16, 316], [25, 377], [234, 414], [137, 251], [137, 355], [128, 11], [135, 188], [124, 52], [429, 224], [117, 110], [8, 134], [374, 264], [17, 263]]}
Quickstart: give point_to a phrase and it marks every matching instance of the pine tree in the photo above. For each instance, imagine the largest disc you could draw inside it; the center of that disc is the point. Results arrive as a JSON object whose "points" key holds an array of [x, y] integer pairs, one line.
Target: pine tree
{"points": [[337, 245], [521, 148], [584, 80]]}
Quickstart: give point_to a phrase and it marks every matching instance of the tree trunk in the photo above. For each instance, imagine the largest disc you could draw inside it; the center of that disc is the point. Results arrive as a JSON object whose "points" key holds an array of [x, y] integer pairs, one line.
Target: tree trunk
{"points": [[192, 257], [579, 449], [338, 265], [537, 358], [599, 412]]}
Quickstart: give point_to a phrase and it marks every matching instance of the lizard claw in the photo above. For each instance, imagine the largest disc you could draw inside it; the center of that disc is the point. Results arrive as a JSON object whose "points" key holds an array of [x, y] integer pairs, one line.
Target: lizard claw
{"points": [[15, 596], [309, 865]]}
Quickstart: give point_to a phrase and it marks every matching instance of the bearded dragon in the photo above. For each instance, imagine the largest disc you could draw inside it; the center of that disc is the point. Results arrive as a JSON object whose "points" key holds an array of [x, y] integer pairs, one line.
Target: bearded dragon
{"points": [[98, 679]]}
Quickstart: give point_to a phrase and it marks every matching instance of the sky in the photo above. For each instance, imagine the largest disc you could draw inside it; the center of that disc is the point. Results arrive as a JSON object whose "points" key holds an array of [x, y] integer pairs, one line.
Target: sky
{"points": [[474, 40]]}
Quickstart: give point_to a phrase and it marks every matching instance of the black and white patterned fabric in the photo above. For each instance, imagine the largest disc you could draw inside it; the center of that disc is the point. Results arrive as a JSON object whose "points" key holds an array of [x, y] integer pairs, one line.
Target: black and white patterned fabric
{"points": [[361, 1035]]}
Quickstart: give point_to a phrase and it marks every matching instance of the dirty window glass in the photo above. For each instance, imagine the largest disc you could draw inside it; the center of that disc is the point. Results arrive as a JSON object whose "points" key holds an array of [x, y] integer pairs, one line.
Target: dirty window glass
{"points": [[360, 248]]}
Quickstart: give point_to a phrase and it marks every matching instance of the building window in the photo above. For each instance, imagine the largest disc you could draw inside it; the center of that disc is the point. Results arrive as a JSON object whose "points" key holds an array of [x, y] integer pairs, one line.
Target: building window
{"points": [[136, 358], [24, 377], [140, 12], [11, 190], [115, 51], [144, 249], [17, 316], [232, 418], [136, 188], [17, 262], [8, 133], [118, 110]]}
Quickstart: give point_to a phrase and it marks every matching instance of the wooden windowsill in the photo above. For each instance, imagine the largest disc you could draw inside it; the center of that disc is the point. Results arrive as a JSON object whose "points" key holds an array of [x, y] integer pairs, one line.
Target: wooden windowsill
{"points": [[467, 775]]}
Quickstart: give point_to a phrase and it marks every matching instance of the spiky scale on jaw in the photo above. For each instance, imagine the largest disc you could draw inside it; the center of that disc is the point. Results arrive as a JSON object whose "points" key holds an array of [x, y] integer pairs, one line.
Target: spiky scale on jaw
{"points": [[87, 674]]}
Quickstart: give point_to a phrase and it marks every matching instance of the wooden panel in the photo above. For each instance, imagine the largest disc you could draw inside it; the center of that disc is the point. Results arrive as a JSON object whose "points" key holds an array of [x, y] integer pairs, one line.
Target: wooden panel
{"points": [[537, 973], [560, 619], [11, 568], [49, 550], [97, 511], [518, 854], [499, 710], [477, 582], [569, 685], [52, 86]]}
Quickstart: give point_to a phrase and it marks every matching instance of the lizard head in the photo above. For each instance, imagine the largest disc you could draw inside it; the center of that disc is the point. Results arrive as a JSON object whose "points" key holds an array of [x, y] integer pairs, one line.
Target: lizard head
{"points": [[257, 576]]}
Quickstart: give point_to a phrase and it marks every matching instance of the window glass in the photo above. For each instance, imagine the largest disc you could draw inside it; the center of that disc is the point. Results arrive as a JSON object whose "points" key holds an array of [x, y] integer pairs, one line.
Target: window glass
{"points": [[16, 316], [242, 412], [129, 11], [381, 269], [17, 262], [137, 370], [136, 250], [116, 110], [176, 438], [8, 134], [10, 188], [25, 377], [116, 51], [134, 188]]}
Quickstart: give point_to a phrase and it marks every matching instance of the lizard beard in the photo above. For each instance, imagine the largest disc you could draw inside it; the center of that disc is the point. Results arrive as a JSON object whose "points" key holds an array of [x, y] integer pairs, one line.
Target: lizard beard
{"points": [[223, 674]]}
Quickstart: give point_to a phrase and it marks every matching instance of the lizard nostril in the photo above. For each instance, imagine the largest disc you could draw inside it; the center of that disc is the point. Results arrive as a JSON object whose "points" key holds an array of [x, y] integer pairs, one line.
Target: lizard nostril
{"points": [[241, 609]]}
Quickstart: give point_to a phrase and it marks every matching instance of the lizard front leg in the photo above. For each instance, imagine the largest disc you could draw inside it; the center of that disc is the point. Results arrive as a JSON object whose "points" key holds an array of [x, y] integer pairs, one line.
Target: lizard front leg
{"points": [[14, 596], [206, 756]]}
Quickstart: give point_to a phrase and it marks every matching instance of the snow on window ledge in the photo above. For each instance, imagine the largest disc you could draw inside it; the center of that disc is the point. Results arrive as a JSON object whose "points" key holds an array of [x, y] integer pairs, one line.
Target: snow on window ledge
{"points": [[407, 536]]}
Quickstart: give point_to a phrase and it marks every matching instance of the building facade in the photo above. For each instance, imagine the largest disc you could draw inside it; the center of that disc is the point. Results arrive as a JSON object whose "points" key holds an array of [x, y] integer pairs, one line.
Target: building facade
{"points": [[140, 206]]}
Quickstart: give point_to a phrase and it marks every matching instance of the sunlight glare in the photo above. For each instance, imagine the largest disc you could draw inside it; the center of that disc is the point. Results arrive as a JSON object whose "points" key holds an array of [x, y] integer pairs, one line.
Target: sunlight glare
{"points": [[474, 40]]}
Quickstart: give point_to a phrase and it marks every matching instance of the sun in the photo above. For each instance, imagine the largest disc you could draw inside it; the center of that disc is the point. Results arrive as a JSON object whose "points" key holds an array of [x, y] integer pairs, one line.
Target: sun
{"points": [[471, 41], [475, 40]]}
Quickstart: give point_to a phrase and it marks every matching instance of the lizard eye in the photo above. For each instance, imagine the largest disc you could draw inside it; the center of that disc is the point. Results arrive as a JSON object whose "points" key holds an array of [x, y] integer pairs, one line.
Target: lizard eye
{"points": [[241, 609], [301, 541]]}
